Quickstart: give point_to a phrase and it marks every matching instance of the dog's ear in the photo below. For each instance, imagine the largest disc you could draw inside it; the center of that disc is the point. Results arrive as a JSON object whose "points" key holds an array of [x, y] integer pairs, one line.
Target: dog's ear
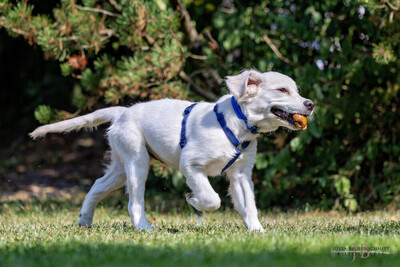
{"points": [[244, 84]]}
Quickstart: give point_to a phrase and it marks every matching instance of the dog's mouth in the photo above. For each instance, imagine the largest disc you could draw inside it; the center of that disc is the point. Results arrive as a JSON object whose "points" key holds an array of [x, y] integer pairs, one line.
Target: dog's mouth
{"points": [[284, 115]]}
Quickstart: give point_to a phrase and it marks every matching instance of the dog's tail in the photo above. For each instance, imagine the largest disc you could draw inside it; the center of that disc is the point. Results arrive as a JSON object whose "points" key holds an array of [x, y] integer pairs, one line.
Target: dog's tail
{"points": [[87, 121]]}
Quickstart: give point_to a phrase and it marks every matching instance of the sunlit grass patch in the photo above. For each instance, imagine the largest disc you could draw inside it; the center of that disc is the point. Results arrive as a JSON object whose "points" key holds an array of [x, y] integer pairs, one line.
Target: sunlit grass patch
{"points": [[48, 234]]}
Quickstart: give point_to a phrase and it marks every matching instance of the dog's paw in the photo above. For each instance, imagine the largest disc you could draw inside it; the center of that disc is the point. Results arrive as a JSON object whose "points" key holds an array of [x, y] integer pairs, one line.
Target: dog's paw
{"points": [[144, 227], [211, 203], [85, 221], [255, 227]]}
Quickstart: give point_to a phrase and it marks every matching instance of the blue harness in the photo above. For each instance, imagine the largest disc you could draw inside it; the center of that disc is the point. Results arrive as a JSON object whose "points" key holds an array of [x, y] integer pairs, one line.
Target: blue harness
{"points": [[186, 113], [225, 128]]}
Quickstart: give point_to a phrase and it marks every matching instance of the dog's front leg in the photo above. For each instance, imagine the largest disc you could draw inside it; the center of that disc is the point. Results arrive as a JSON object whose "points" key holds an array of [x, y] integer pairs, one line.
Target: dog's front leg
{"points": [[242, 193], [203, 196]]}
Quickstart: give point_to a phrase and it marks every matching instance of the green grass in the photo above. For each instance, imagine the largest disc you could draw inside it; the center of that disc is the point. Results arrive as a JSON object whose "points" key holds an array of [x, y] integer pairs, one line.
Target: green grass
{"points": [[46, 234]]}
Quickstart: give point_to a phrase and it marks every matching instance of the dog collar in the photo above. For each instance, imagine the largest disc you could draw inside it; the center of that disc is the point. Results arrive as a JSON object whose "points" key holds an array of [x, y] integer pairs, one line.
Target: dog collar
{"points": [[239, 113]]}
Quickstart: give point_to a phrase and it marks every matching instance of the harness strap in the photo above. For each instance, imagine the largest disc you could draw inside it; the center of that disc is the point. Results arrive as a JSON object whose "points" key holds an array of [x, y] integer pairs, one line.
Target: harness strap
{"points": [[231, 137], [240, 114], [238, 152], [186, 113], [228, 132], [222, 122]]}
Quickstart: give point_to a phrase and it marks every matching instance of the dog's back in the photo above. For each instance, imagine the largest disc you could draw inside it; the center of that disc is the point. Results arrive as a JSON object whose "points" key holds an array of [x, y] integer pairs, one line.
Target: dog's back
{"points": [[157, 123]]}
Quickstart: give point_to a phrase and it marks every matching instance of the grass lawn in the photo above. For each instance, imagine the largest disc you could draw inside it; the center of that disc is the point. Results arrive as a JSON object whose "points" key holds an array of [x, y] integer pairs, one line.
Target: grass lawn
{"points": [[46, 234]]}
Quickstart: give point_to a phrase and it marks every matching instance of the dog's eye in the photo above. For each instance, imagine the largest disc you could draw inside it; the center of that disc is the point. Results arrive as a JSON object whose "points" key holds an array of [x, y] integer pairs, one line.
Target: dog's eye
{"points": [[283, 90]]}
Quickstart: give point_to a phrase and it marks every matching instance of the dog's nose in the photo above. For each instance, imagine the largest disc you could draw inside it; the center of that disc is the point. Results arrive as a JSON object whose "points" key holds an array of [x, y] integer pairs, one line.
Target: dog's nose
{"points": [[309, 104]]}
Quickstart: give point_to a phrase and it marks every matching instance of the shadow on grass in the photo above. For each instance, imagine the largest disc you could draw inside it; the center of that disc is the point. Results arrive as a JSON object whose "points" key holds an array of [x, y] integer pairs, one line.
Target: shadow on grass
{"points": [[79, 254]]}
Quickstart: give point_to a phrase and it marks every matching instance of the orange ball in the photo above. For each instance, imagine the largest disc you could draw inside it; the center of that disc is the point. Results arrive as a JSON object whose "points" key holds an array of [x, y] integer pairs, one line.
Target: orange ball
{"points": [[300, 121]]}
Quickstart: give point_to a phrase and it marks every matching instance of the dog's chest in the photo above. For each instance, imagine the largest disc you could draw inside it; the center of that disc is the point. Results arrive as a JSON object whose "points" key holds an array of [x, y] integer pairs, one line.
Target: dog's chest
{"points": [[215, 165]]}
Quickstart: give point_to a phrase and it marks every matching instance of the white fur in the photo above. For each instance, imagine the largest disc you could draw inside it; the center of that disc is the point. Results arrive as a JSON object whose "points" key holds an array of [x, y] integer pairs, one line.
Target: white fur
{"points": [[153, 129]]}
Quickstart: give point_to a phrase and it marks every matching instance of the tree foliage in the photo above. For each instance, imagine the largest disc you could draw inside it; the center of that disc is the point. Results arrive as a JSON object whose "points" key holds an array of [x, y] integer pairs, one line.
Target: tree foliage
{"points": [[129, 48], [342, 54]]}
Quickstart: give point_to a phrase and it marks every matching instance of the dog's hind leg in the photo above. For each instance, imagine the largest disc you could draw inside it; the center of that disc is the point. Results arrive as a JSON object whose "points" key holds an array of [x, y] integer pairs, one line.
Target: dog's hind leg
{"points": [[113, 179], [136, 169], [127, 140]]}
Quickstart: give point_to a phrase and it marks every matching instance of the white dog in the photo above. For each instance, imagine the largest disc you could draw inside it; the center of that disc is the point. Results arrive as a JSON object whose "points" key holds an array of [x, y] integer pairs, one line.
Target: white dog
{"points": [[196, 142]]}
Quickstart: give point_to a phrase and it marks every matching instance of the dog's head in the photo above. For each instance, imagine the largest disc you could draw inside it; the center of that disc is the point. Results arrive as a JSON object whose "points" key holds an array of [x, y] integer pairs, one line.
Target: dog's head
{"points": [[269, 99]]}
